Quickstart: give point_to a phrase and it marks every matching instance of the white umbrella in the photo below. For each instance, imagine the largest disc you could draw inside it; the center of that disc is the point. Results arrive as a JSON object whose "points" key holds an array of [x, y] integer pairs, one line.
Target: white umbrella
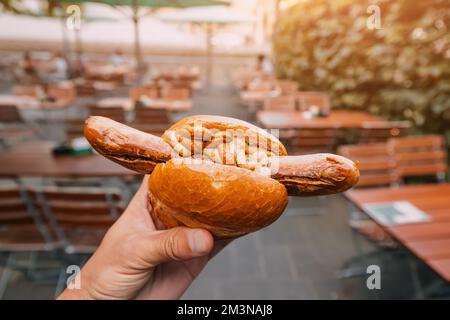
{"points": [[208, 17]]}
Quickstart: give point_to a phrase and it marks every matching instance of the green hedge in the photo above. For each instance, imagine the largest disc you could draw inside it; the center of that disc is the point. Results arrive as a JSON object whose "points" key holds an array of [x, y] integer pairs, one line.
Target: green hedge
{"points": [[401, 71]]}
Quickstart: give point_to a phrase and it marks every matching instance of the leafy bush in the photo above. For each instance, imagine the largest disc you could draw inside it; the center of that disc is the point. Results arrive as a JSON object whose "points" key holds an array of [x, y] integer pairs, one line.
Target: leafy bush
{"points": [[401, 71]]}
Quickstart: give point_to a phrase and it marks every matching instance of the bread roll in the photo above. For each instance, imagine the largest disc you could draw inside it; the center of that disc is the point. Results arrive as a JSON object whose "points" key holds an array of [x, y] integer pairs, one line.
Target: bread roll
{"points": [[226, 200]]}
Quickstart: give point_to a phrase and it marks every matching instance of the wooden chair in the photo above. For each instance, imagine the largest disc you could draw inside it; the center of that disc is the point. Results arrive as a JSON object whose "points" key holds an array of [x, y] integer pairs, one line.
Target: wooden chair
{"points": [[149, 92], [381, 131], [314, 138], [85, 88], [284, 103], [288, 87], [307, 99], [420, 156], [189, 73], [243, 76], [176, 92], [79, 216], [262, 84], [376, 165], [28, 90], [113, 78], [66, 92], [13, 128], [115, 113], [21, 228], [21, 231], [73, 128], [377, 168], [151, 120], [10, 114]]}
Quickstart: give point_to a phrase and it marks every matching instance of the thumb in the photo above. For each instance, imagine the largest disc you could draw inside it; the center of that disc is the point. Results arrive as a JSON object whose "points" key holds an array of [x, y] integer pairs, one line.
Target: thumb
{"points": [[179, 243]]}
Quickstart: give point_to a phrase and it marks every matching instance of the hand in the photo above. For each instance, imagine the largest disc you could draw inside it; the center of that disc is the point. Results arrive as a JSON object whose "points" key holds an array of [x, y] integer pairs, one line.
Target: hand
{"points": [[137, 261]]}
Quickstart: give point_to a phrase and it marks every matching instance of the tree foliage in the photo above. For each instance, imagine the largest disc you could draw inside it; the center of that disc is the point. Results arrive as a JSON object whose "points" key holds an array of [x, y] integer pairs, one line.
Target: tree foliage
{"points": [[401, 71]]}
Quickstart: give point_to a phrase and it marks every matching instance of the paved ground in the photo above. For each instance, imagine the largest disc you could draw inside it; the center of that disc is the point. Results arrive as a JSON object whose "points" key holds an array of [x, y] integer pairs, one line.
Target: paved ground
{"points": [[298, 257]]}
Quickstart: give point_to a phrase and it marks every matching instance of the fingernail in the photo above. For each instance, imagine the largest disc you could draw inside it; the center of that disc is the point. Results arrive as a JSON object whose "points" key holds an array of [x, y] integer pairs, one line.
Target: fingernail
{"points": [[198, 242]]}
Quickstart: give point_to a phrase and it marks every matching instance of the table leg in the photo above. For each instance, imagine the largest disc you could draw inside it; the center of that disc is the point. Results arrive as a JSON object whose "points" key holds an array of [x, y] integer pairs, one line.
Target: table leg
{"points": [[418, 288], [6, 275]]}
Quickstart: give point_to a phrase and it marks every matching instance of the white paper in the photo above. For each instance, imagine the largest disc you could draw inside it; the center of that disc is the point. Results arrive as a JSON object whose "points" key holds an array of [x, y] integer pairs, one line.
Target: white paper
{"points": [[393, 213]]}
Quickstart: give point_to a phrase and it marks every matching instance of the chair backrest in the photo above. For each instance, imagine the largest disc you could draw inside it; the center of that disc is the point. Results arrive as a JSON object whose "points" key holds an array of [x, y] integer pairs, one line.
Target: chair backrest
{"points": [[420, 155], [308, 99], [287, 86], [72, 208], [260, 86], [164, 75], [376, 165], [189, 73], [146, 115], [381, 131], [151, 120], [16, 210], [175, 92], [73, 128], [314, 138], [10, 114], [61, 92], [243, 76], [13, 207], [85, 88], [137, 92], [28, 90], [115, 113], [286, 103]]}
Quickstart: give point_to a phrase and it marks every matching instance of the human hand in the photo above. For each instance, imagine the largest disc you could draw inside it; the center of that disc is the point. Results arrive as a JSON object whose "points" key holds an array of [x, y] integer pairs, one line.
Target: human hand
{"points": [[139, 260]]}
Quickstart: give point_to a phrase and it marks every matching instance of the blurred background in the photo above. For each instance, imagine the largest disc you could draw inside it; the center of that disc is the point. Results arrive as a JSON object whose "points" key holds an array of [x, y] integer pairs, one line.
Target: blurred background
{"points": [[369, 80]]}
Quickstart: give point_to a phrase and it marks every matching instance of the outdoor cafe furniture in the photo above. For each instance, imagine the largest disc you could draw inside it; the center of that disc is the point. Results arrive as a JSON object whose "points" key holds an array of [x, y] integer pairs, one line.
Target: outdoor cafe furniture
{"points": [[160, 103], [420, 156], [51, 96], [107, 72], [295, 119], [417, 216], [316, 99], [382, 131], [22, 102], [377, 166], [282, 103], [36, 159], [255, 98]]}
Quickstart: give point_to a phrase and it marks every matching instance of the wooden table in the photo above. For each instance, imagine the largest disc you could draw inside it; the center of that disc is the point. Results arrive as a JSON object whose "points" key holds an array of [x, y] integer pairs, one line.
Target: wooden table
{"points": [[296, 119], [107, 71], [429, 241], [257, 97], [36, 159], [128, 104], [24, 102], [19, 101]]}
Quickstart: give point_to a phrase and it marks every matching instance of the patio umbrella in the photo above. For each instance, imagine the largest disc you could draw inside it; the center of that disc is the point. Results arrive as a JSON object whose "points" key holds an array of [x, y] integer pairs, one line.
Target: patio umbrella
{"points": [[141, 8], [57, 10], [207, 17]]}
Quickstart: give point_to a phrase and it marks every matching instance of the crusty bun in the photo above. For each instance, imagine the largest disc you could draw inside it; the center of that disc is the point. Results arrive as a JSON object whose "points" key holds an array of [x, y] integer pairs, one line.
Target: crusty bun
{"points": [[228, 201]]}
